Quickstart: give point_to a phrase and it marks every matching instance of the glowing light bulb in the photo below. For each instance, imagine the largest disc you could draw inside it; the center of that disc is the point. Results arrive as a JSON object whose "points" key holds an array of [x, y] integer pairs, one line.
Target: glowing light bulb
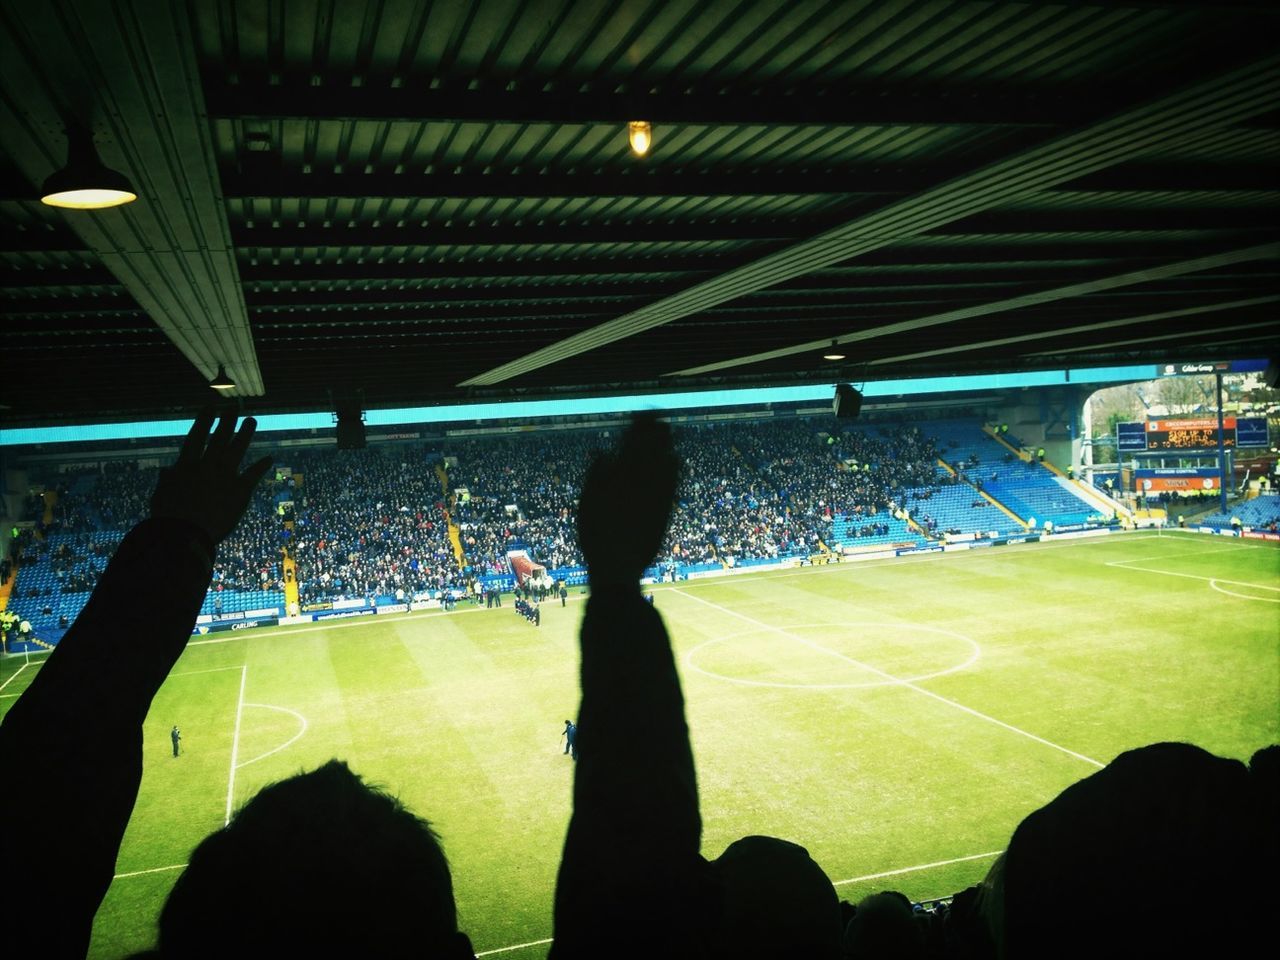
{"points": [[640, 133]]}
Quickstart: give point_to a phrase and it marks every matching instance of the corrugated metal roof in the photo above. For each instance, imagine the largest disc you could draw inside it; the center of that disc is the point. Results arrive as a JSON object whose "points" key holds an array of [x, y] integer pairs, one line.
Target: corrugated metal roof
{"points": [[420, 194]]}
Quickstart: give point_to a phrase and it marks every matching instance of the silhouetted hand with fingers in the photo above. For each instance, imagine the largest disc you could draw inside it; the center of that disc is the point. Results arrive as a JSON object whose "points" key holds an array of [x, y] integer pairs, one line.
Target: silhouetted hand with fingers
{"points": [[205, 486], [626, 503]]}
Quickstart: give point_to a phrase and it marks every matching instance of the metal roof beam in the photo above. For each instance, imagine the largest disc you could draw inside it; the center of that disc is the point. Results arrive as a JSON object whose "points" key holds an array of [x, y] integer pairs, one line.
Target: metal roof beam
{"points": [[259, 300], [1057, 332], [1266, 251], [486, 235], [815, 288], [456, 270], [1190, 116], [1182, 177], [270, 181], [27, 277], [1163, 218], [297, 98], [126, 70]]}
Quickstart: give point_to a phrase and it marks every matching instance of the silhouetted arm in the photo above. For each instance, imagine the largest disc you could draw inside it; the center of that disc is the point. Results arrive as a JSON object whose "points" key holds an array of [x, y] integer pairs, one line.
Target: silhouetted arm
{"points": [[628, 882], [71, 747]]}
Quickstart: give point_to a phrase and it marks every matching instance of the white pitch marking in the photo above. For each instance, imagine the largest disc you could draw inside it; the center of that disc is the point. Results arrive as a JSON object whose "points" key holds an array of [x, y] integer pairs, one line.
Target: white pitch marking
{"points": [[1243, 596], [15, 674], [235, 745], [514, 946], [271, 706], [139, 873], [897, 682], [192, 673], [1159, 556], [1192, 576], [923, 866], [973, 657]]}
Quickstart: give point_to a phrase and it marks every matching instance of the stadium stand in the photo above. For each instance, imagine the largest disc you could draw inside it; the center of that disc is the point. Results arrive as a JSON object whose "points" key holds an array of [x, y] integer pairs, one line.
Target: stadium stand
{"points": [[374, 524], [1026, 488], [370, 523], [1261, 512], [958, 509]]}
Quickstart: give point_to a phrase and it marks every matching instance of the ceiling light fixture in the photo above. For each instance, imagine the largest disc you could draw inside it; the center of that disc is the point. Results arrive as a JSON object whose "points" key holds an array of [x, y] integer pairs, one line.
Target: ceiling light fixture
{"points": [[222, 383], [85, 183], [640, 134], [833, 353]]}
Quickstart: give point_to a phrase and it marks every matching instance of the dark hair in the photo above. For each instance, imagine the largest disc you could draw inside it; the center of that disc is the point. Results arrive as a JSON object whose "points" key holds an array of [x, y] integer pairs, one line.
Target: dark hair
{"points": [[1161, 814], [775, 902], [319, 864]]}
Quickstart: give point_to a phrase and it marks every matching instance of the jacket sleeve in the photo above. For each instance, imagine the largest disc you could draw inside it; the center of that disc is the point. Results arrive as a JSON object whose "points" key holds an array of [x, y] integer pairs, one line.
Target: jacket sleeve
{"points": [[71, 747], [630, 877]]}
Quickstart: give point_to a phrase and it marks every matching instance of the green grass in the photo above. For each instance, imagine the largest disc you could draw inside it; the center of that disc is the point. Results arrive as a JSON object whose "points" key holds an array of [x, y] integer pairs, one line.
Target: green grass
{"points": [[1092, 646]]}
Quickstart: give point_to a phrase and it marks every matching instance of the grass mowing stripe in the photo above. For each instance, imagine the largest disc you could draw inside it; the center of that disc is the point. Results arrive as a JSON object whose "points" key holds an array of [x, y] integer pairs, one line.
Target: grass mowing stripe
{"points": [[235, 744], [1096, 658], [897, 682]]}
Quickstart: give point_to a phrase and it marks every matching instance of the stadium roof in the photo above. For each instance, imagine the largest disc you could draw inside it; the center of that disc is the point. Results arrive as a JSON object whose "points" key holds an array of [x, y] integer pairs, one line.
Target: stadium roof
{"points": [[408, 203]]}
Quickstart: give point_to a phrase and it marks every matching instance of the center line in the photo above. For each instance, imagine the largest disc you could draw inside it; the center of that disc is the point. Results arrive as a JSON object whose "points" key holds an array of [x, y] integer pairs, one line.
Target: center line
{"points": [[898, 682]]}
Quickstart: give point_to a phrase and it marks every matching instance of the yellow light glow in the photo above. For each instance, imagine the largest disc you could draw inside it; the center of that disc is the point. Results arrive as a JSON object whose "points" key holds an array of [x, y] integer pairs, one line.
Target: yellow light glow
{"points": [[833, 356], [89, 199], [640, 133]]}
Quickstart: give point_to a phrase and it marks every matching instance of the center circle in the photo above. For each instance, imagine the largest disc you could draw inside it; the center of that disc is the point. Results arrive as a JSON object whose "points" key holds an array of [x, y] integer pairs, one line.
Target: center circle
{"points": [[890, 654]]}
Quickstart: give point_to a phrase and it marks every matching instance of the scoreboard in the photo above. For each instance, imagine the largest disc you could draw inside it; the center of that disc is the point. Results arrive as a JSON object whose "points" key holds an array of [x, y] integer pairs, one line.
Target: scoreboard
{"points": [[1188, 435]]}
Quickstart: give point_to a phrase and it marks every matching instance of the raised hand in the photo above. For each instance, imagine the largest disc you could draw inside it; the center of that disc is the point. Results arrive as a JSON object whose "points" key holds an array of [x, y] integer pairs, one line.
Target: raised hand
{"points": [[626, 503], [205, 486]]}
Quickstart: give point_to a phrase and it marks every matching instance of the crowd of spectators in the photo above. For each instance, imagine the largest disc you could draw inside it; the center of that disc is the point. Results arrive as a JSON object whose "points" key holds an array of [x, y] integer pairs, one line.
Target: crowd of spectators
{"points": [[521, 493], [747, 491], [375, 521], [370, 523], [113, 496]]}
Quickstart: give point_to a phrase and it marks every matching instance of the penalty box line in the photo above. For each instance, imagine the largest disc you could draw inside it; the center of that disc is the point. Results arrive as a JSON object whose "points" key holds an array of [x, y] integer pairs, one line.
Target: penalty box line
{"points": [[235, 745], [1124, 565], [14, 675], [916, 869], [897, 681]]}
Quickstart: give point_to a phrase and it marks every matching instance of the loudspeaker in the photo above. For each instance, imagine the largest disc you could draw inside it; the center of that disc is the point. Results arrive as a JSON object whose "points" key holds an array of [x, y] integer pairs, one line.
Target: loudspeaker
{"points": [[350, 428], [847, 403]]}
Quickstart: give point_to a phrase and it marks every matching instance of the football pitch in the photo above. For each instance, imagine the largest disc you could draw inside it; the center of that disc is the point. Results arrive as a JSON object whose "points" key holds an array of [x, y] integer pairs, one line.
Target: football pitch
{"points": [[898, 717]]}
